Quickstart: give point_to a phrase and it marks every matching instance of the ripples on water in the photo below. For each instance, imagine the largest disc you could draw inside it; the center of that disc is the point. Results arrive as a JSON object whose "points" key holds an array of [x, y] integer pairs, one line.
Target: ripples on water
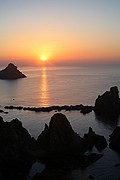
{"points": [[60, 86]]}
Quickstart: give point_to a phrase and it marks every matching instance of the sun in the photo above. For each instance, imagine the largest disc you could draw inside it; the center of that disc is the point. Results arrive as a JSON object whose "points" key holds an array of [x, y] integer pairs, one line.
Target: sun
{"points": [[43, 58]]}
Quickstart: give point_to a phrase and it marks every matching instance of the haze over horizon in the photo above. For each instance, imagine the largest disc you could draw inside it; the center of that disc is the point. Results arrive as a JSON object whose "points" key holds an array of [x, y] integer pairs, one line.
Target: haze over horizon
{"points": [[65, 32]]}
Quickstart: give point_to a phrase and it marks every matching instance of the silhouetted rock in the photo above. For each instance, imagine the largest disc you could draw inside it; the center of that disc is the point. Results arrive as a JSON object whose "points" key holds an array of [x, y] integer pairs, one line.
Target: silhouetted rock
{"points": [[86, 109], [15, 144], [62, 146], [108, 119], [83, 109], [58, 146], [91, 139], [108, 103], [1, 111], [59, 138], [115, 139], [11, 72]]}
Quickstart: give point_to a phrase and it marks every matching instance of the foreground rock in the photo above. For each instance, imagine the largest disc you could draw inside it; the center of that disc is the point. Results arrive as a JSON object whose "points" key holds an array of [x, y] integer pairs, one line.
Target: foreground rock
{"points": [[91, 139], [59, 138], [15, 143], [11, 72], [58, 147], [115, 139], [108, 103], [64, 148]]}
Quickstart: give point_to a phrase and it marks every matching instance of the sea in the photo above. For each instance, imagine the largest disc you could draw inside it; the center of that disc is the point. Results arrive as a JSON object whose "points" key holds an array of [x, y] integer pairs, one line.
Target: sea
{"points": [[48, 86]]}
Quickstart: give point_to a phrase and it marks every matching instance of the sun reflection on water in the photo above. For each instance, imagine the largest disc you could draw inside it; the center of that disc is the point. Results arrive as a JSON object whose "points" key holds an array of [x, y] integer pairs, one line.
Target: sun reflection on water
{"points": [[44, 96]]}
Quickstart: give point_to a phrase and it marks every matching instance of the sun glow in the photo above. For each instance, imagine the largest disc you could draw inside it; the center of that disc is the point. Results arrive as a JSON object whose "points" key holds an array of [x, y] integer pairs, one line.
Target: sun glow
{"points": [[43, 58]]}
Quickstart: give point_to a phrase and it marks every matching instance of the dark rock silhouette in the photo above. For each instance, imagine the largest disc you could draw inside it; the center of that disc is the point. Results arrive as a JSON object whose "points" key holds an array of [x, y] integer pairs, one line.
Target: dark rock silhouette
{"points": [[108, 120], [83, 109], [64, 148], [5, 112], [58, 147], [59, 168], [108, 103], [59, 138], [11, 72], [115, 139], [86, 109], [91, 139], [15, 143]]}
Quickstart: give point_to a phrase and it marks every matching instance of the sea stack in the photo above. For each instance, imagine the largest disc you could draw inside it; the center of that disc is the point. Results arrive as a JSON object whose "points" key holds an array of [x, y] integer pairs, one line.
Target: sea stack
{"points": [[108, 103], [11, 72]]}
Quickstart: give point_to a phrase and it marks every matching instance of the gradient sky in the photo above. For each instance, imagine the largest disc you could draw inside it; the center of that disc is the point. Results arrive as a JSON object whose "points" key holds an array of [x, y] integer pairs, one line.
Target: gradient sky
{"points": [[66, 31]]}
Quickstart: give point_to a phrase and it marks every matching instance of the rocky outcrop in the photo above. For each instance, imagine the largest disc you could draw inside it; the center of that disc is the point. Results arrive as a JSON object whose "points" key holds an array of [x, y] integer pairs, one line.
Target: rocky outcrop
{"points": [[58, 146], [108, 103], [64, 148], [92, 139], [115, 139], [11, 72], [15, 143], [59, 138]]}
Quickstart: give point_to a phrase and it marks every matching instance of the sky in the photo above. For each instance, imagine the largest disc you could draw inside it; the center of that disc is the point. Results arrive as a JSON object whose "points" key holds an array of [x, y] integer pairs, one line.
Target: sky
{"points": [[67, 32]]}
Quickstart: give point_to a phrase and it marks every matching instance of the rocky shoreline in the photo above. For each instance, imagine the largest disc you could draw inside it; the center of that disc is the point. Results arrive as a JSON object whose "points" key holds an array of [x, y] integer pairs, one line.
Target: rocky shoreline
{"points": [[106, 104], [58, 146], [83, 109]]}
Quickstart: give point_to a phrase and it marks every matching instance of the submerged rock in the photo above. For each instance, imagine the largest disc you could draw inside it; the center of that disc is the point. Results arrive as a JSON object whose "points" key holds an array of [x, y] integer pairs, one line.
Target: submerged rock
{"points": [[83, 109], [115, 139], [86, 109], [11, 72], [108, 103]]}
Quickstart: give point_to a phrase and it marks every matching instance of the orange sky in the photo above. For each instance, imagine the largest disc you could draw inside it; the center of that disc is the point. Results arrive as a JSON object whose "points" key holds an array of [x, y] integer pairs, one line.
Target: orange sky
{"points": [[63, 32]]}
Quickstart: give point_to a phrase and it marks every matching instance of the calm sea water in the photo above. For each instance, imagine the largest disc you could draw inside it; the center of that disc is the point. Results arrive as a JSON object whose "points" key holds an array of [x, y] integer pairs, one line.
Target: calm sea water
{"points": [[65, 86]]}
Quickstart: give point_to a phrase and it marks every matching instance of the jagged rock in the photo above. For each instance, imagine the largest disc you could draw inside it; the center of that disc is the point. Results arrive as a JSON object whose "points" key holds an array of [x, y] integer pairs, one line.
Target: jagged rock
{"points": [[59, 137], [64, 148], [15, 142], [43, 138], [115, 139], [58, 146], [11, 72], [108, 103], [91, 139]]}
